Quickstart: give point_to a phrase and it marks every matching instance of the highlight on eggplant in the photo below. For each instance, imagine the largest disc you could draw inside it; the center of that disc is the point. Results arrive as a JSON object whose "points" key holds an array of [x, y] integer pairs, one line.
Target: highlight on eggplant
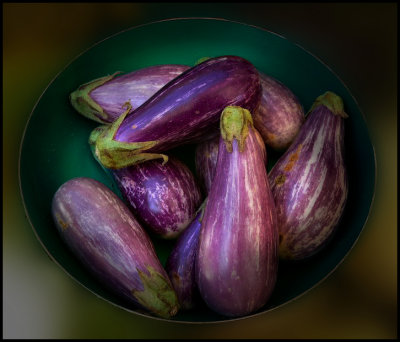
{"points": [[105, 236], [186, 110], [280, 114], [206, 156], [237, 259], [164, 197], [309, 181], [102, 99]]}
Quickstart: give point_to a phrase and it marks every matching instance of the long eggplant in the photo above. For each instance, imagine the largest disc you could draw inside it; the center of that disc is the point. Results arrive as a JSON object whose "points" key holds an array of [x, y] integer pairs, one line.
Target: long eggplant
{"points": [[186, 110], [309, 181], [101, 231], [180, 263], [163, 197], [237, 259], [280, 114], [206, 156], [102, 100]]}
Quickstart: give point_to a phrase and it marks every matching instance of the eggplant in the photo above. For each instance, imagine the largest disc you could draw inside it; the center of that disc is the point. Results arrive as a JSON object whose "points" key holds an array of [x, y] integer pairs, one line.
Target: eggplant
{"points": [[309, 181], [181, 261], [164, 197], [102, 100], [280, 114], [206, 156], [186, 110], [236, 263], [104, 235]]}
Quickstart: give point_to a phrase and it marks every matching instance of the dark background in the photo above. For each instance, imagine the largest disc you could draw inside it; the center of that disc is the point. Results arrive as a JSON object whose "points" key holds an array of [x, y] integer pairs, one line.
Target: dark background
{"points": [[358, 41]]}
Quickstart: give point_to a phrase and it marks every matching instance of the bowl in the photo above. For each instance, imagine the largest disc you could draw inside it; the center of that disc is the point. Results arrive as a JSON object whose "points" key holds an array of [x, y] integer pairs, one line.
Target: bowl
{"points": [[55, 147]]}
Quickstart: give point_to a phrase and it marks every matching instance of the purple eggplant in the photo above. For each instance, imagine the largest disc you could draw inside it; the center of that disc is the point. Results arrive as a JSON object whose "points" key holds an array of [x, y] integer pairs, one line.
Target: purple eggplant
{"points": [[280, 114], [181, 261], [102, 232], [186, 110], [206, 156], [237, 259], [164, 197], [309, 181], [102, 100]]}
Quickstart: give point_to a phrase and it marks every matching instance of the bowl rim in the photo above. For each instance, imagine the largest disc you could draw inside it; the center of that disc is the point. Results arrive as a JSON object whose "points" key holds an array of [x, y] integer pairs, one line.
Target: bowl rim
{"points": [[171, 320]]}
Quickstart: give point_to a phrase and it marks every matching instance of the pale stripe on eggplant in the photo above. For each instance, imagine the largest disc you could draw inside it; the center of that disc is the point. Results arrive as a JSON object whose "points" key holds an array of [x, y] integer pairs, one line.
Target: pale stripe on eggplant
{"points": [[186, 110], [279, 115], [237, 260], [102, 100], [164, 197], [206, 156], [309, 184], [101, 231]]}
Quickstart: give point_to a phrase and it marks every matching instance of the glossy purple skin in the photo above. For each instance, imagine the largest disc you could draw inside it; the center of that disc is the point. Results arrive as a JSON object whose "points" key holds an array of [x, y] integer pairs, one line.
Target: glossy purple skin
{"points": [[164, 198], [180, 264], [279, 115], [102, 232], [188, 107], [237, 259], [136, 87], [206, 156], [309, 184]]}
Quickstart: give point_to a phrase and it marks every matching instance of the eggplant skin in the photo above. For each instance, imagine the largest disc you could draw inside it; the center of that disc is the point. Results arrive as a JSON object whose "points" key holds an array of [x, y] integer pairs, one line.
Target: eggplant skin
{"points": [[280, 114], [206, 156], [104, 235], [163, 197], [310, 186], [102, 100], [184, 111], [181, 261], [237, 259], [194, 100]]}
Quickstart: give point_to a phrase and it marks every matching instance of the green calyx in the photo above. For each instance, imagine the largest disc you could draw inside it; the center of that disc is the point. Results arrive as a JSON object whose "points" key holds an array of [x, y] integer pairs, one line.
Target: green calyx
{"points": [[201, 60], [234, 124], [85, 105], [332, 101], [114, 154], [158, 296]]}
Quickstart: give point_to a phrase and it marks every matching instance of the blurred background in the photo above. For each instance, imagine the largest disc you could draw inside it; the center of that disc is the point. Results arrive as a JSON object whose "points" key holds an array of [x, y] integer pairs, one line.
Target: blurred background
{"points": [[358, 41]]}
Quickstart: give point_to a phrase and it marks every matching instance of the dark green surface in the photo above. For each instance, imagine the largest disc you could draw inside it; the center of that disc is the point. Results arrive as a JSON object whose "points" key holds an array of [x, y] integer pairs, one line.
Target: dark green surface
{"points": [[55, 147]]}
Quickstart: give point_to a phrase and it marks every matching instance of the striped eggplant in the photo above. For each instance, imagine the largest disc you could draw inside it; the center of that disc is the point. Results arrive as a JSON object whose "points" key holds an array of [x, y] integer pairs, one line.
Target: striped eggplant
{"points": [[163, 197], [101, 231], [102, 100], [279, 115], [186, 110], [206, 156], [181, 261], [237, 259], [309, 181]]}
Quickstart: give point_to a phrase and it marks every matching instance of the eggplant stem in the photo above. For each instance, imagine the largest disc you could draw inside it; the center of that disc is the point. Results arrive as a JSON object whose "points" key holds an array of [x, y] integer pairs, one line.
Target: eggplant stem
{"points": [[234, 124], [85, 105], [332, 101], [114, 154]]}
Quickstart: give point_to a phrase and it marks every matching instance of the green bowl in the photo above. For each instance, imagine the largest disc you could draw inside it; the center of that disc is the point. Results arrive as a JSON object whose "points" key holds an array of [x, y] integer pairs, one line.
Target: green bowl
{"points": [[54, 147]]}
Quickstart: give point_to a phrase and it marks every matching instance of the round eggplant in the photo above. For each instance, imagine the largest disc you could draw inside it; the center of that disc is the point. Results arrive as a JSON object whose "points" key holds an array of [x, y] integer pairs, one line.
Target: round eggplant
{"points": [[105, 236], [102, 100], [164, 197], [237, 259], [309, 181], [186, 110], [279, 115]]}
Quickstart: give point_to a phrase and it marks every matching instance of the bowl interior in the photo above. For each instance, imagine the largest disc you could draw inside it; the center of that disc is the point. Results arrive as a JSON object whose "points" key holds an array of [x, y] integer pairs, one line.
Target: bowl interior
{"points": [[54, 147]]}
